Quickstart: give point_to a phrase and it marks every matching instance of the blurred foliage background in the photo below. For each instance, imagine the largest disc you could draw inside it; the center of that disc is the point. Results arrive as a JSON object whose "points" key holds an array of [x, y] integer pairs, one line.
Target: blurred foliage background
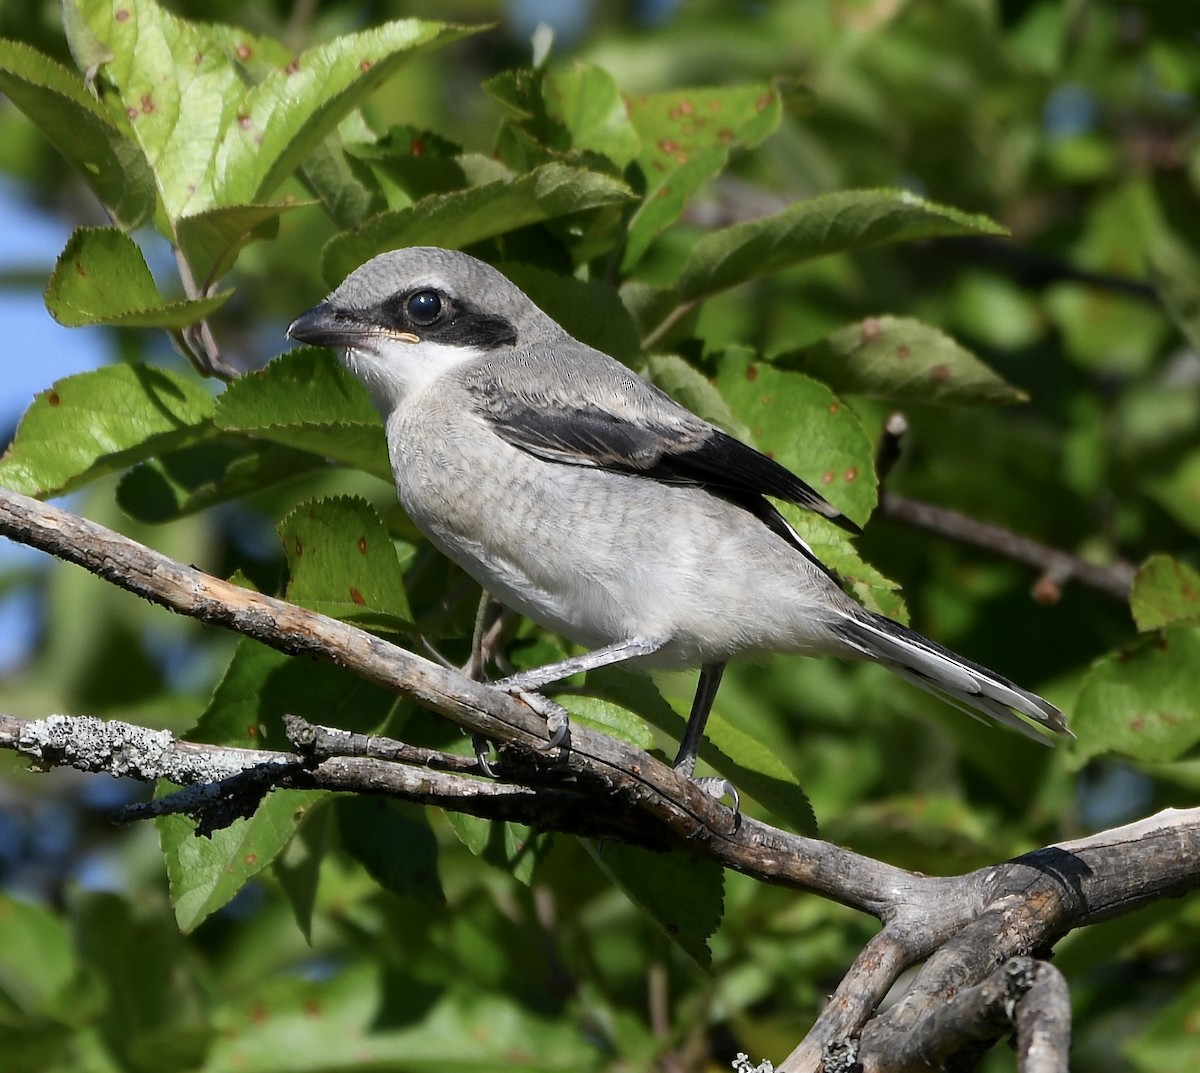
{"points": [[1072, 124]]}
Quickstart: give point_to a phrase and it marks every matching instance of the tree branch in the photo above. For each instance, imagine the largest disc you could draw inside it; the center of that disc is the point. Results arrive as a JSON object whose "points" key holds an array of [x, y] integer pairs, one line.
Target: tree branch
{"points": [[1057, 566], [962, 927]]}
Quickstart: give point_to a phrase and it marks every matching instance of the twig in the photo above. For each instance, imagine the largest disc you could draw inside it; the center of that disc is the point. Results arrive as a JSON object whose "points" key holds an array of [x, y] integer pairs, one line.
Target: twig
{"points": [[1058, 567]]}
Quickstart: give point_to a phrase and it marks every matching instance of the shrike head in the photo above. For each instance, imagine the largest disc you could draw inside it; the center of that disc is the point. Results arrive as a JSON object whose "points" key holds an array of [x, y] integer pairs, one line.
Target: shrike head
{"points": [[406, 317]]}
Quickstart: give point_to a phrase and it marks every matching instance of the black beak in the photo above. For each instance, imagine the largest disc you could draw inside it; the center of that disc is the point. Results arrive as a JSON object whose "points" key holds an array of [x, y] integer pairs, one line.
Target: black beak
{"points": [[324, 325]]}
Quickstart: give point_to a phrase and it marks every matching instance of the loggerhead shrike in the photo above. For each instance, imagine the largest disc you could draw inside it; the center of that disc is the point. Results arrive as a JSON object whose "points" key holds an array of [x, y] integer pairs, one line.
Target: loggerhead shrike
{"points": [[580, 495]]}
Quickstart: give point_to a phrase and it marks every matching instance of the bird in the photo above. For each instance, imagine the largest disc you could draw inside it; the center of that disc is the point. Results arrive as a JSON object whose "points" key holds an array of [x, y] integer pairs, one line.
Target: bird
{"points": [[578, 494]]}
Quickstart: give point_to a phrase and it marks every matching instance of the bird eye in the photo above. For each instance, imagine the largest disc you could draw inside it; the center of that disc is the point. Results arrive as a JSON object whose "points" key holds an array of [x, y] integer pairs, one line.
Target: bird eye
{"points": [[424, 308]]}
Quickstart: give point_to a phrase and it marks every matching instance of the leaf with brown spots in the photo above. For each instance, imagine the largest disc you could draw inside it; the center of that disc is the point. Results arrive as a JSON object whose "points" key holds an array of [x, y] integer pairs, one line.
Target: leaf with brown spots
{"points": [[1165, 590], [349, 568], [901, 360], [1144, 702]]}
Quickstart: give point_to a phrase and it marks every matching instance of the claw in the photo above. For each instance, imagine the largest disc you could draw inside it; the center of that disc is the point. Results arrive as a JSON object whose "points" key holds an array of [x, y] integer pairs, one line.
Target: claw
{"points": [[719, 788], [558, 721], [482, 747]]}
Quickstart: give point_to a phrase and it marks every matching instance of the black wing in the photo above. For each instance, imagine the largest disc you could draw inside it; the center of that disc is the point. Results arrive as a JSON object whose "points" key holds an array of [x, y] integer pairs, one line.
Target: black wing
{"points": [[689, 451]]}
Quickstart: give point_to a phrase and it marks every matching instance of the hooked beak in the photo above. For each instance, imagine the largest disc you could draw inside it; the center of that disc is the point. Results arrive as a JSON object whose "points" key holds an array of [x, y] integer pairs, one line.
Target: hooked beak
{"points": [[323, 325], [326, 325]]}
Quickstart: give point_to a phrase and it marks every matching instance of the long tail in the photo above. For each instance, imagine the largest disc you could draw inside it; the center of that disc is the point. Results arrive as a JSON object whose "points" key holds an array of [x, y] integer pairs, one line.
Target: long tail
{"points": [[937, 670]]}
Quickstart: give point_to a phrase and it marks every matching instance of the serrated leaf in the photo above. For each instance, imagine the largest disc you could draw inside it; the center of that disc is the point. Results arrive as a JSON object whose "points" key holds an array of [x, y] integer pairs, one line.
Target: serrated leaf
{"points": [[260, 686], [832, 223], [219, 469], [901, 360], [464, 217], [288, 114], [586, 100], [754, 769], [683, 894], [609, 718], [1165, 590], [206, 873], [222, 116], [751, 767], [211, 240], [102, 278], [511, 847], [339, 551], [100, 422], [691, 388], [305, 399], [1143, 702], [803, 426], [395, 844], [59, 104], [687, 136]]}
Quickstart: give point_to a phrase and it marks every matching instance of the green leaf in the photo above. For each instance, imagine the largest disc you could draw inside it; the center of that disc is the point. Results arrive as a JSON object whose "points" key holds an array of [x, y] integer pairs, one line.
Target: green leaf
{"points": [[223, 116], [37, 964], [298, 867], [156, 1010], [803, 426], [396, 1021], [691, 388], [59, 104], [261, 685], [1144, 702], [305, 399], [211, 240], [341, 560], [1179, 491], [513, 848], [206, 873], [1166, 1038], [750, 766], [92, 424], [832, 223], [755, 770], [686, 139], [102, 278], [464, 217], [900, 360], [1165, 590], [609, 718], [683, 894], [586, 100], [288, 114], [214, 471], [589, 309], [1175, 274], [395, 844]]}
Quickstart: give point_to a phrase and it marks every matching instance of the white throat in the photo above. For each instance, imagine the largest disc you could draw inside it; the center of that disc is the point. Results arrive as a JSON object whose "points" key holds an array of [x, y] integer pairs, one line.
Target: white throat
{"points": [[394, 371]]}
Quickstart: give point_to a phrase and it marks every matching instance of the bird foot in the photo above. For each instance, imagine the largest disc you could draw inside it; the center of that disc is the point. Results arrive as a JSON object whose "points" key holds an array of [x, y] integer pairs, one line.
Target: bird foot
{"points": [[719, 789], [558, 721]]}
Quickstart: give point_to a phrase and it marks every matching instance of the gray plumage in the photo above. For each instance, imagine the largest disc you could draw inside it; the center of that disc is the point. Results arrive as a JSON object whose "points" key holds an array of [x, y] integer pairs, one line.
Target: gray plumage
{"points": [[580, 495]]}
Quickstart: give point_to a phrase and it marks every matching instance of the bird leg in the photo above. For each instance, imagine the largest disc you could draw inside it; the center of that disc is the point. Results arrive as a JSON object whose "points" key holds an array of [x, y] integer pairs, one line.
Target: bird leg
{"points": [[689, 746], [525, 684]]}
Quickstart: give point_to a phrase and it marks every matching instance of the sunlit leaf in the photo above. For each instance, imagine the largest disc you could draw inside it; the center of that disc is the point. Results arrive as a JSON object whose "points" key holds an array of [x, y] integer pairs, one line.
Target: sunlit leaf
{"points": [[901, 360], [92, 424], [102, 278]]}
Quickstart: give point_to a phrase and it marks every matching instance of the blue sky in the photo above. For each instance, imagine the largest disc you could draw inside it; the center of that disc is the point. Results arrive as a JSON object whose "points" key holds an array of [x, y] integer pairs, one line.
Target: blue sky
{"points": [[37, 351]]}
